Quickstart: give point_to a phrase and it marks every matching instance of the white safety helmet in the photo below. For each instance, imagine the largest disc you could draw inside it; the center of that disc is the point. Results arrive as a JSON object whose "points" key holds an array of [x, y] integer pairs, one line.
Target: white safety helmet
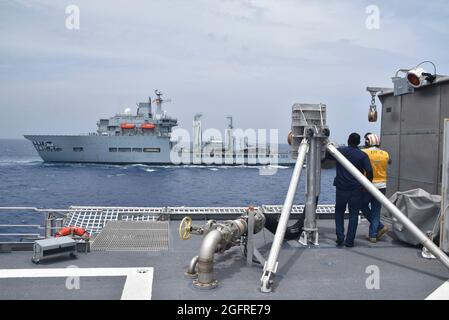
{"points": [[372, 140]]}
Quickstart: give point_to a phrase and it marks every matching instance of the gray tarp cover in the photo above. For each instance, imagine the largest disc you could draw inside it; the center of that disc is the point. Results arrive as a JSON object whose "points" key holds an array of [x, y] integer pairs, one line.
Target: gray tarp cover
{"points": [[421, 207]]}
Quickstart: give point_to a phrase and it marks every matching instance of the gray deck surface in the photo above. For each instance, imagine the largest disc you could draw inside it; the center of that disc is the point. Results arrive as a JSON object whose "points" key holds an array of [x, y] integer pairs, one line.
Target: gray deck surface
{"points": [[50, 288], [325, 272]]}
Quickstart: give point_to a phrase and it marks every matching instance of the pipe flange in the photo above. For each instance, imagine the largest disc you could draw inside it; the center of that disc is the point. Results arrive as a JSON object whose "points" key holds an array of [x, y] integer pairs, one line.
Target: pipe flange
{"points": [[191, 275], [205, 286], [310, 229]]}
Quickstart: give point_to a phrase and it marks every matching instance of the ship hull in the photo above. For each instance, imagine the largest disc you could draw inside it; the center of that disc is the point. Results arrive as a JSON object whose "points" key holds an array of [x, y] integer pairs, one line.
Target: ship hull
{"points": [[121, 149], [101, 149]]}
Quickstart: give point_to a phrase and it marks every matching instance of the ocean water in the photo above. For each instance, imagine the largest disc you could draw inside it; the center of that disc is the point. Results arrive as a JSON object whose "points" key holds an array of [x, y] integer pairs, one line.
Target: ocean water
{"points": [[27, 181]]}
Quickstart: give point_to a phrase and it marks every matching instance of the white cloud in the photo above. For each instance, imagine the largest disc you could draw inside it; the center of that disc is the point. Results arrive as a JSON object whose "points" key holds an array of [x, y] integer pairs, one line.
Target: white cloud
{"points": [[249, 58]]}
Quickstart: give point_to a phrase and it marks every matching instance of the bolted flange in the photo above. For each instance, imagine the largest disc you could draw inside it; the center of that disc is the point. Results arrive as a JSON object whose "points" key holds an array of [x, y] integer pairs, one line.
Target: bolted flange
{"points": [[205, 286]]}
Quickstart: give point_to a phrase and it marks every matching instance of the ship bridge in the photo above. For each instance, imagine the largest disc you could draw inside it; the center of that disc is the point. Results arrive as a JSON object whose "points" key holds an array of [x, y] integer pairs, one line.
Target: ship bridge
{"points": [[145, 122]]}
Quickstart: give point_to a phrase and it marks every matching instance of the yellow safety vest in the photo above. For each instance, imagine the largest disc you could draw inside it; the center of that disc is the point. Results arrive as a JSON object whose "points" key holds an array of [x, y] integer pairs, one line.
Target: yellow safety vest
{"points": [[379, 162]]}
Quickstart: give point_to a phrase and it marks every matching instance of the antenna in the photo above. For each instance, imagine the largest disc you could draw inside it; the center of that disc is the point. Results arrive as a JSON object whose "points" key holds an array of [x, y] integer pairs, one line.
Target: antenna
{"points": [[159, 99], [230, 125], [159, 102]]}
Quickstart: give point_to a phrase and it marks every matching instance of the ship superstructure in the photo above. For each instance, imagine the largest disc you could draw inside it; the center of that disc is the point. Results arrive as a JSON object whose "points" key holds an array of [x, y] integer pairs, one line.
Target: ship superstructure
{"points": [[146, 138], [144, 123]]}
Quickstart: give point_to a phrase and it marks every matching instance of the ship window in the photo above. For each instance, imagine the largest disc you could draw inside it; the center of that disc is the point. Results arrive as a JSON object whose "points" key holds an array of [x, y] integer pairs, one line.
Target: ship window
{"points": [[137, 150], [58, 149], [112, 149], [78, 149], [151, 150], [124, 149]]}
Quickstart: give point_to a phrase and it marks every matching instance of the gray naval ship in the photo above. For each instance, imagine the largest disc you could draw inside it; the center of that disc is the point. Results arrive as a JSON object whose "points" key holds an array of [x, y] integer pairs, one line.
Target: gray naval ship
{"points": [[145, 138]]}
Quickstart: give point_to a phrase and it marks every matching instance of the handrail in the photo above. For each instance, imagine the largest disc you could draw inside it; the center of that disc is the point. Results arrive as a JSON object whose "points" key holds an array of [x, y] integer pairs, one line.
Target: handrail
{"points": [[46, 227], [74, 215], [74, 208], [35, 209], [21, 225], [20, 235]]}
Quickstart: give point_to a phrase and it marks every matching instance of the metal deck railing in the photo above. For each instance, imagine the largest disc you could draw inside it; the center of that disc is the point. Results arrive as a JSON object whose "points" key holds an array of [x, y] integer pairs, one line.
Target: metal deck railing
{"points": [[94, 218], [13, 234]]}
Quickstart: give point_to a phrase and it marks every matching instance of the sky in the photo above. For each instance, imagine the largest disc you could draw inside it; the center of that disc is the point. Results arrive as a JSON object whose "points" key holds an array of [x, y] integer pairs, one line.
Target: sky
{"points": [[252, 59]]}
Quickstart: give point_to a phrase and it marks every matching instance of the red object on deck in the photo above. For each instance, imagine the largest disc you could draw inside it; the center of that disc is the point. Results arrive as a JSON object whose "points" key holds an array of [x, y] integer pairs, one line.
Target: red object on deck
{"points": [[66, 231]]}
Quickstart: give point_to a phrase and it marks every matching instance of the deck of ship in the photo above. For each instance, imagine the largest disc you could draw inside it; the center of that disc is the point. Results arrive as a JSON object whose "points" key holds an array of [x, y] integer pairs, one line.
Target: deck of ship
{"points": [[324, 272]]}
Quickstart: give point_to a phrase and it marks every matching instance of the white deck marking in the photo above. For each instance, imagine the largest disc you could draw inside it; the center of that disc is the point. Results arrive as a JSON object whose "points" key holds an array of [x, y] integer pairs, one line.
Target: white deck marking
{"points": [[442, 293], [138, 284]]}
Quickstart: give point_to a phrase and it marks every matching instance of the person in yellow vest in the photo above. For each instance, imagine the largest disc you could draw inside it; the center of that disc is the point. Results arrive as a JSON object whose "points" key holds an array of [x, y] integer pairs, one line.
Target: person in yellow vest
{"points": [[371, 207]]}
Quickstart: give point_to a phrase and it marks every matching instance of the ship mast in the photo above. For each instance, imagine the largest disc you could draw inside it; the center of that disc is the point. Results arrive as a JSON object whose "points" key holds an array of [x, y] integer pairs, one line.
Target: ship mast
{"points": [[159, 102], [229, 139], [197, 139]]}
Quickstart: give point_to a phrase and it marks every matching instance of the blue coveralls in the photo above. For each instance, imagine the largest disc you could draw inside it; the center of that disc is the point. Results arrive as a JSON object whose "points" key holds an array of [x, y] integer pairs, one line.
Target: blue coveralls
{"points": [[349, 193]]}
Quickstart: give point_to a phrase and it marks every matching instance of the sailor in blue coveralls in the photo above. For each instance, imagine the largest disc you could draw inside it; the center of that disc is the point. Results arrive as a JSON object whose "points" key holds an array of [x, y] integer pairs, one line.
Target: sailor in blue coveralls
{"points": [[349, 191]]}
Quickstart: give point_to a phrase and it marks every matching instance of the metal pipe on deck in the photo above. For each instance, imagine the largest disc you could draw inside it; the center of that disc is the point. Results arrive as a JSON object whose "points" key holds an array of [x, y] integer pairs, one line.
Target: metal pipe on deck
{"points": [[272, 262], [310, 206], [206, 259], [444, 227], [423, 239], [319, 149], [191, 270], [218, 237]]}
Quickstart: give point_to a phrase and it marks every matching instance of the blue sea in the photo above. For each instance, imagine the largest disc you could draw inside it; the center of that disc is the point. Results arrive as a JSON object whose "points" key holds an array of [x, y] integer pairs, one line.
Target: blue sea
{"points": [[25, 180]]}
